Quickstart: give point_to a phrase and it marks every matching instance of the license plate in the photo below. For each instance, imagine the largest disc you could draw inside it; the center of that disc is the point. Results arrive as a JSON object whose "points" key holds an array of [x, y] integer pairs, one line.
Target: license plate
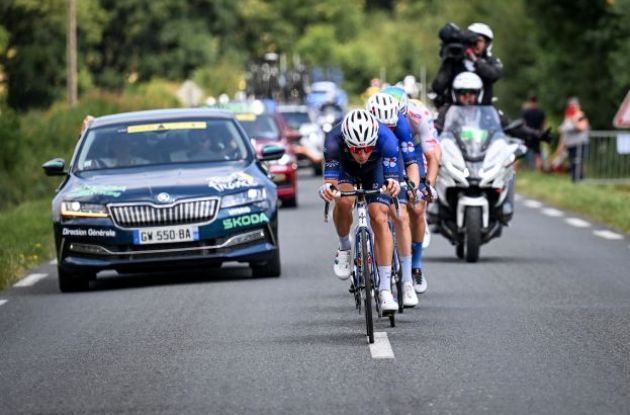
{"points": [[165, 235]]}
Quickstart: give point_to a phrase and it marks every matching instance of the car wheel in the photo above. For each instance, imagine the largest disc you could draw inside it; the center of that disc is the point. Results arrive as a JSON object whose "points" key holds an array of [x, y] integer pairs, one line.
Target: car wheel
{"points": [[290, 202], [271, 268], [72, 282]]}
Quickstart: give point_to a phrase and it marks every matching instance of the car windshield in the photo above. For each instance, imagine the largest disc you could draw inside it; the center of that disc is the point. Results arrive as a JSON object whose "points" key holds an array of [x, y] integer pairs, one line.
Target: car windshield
{"points": [[259, 126], [295, 119], [474, 125], [156, 142]]}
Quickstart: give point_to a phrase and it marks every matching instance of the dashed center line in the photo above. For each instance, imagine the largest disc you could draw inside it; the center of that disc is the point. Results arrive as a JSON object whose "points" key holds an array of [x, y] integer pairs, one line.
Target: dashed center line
{"points": [[608, 235], [3, 302], [532, 203], [553, 212], [30, 280], [381, 349], [577, 222]]}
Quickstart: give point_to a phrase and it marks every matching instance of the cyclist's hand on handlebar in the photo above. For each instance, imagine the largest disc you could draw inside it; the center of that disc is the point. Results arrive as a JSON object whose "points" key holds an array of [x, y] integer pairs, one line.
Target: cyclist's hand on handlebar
{"points": [[328, 192], [429, 193], [391, 187]]}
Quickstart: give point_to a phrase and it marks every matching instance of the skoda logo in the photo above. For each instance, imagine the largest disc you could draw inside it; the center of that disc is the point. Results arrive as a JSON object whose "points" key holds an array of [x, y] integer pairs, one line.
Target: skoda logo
{"points": [[164, 197]]}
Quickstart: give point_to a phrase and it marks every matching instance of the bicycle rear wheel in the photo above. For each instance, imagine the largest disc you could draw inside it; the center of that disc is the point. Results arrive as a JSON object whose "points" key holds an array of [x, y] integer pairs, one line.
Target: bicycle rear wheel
{"points": [[366, 275]]}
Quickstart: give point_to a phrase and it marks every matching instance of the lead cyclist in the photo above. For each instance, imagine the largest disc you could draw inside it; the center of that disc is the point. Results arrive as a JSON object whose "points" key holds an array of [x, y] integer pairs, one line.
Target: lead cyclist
{"points": [[426, 138], [362, 149]]}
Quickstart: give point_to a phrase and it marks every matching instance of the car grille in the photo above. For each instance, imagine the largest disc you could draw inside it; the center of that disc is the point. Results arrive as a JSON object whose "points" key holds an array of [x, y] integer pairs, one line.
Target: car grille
{"points": [[179, 213]]}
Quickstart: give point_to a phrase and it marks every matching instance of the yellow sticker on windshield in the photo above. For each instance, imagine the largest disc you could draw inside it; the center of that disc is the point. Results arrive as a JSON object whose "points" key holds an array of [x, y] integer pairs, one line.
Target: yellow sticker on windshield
{"points": [[246, 117], [187, 125]]}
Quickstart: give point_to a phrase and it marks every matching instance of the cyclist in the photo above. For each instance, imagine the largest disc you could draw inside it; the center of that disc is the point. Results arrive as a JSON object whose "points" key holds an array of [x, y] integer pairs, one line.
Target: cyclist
{"points": [[425, 137], [385, 109], [361, 149]]}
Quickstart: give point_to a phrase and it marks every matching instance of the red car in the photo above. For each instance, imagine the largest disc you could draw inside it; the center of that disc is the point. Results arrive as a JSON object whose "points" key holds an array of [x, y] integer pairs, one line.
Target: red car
{"points": [[268, 128]]}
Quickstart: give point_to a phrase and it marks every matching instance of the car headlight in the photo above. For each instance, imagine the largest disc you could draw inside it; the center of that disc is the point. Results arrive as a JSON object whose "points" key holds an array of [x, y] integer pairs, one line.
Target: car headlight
{"points": [[74, 209], [243, 198]]}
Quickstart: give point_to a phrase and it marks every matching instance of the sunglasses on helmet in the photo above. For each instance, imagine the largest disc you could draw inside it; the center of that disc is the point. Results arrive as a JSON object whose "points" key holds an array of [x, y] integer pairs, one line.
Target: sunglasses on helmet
{"points": [[359, 150]]}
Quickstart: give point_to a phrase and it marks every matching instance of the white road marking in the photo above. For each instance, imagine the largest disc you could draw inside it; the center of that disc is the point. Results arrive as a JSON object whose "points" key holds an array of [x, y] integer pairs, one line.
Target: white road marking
{"points": [[29, 280], [3, 302], [532, 203], [518, 197], [381, 349], [577, 222], [53, 262], [608, 234], [553, 212]]}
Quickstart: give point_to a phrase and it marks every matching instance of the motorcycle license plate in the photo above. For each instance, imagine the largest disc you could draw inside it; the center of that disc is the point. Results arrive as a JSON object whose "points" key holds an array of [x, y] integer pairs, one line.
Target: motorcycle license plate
{"points": [[165, 235]]}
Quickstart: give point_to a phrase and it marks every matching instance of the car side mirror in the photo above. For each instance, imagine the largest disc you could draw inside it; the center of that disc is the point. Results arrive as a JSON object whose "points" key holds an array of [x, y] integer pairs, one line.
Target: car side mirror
{"points": [[520, 151], [55, 167], [271, 152]]}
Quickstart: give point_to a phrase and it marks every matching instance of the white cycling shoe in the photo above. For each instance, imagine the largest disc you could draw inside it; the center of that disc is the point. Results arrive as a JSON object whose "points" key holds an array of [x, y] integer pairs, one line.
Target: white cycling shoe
{"points": [[388, 304], [342, 266], [420, 282], [410, 298]]}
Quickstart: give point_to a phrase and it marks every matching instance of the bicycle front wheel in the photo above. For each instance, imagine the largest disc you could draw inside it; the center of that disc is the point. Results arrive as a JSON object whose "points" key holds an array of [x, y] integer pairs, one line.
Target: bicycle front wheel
{"points": [[366, 273]]}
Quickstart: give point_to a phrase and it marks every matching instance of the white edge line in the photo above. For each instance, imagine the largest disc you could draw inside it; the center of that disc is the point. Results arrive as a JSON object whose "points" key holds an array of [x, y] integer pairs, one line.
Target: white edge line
{"points": [[535, 204], [577, 222], [381, 349], [608, 235], [30, 280], [553, 212], [2, 302], [53, 262]]}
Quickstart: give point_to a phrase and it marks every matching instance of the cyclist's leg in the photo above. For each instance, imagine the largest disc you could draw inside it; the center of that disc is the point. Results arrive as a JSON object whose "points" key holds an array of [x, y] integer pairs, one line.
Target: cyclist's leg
{"points": [[342, 217], [418, 229]]}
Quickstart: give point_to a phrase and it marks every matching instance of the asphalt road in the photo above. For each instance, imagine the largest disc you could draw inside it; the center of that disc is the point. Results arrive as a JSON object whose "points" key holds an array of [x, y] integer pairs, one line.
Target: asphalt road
{"points": [[541, 325]]}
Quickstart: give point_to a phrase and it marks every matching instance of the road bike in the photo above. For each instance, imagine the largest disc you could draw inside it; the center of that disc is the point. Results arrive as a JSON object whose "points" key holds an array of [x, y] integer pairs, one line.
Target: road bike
{"points": [[365, 279]]}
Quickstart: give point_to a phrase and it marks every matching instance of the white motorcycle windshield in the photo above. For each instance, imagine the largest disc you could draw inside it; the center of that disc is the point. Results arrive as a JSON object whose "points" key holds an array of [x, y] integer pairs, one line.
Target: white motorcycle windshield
{"points": [[473, 126]]}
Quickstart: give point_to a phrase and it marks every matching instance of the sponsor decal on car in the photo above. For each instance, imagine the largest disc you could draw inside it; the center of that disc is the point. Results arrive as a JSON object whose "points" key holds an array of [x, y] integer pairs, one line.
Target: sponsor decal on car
{"points": [[231, 182], [239, 210], [108, 233], [83, 190], [186, 125], [253, 219]]}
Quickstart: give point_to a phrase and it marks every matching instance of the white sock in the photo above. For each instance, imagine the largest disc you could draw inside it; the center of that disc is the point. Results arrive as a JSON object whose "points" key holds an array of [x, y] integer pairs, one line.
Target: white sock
{"points": [[405, 265], [344, 243], [385, 274]]}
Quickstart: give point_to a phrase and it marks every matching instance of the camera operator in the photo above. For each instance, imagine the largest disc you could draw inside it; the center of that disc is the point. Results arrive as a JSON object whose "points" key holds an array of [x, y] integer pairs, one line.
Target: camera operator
{"points": [[466, 51]]}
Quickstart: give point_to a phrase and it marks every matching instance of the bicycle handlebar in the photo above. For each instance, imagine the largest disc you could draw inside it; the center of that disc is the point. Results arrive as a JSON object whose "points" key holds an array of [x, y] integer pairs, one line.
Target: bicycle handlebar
{"points": [[358, 192]]}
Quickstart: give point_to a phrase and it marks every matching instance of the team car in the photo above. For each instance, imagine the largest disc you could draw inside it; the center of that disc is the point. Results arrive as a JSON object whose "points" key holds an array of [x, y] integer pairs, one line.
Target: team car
{"points": [[153, 190]]}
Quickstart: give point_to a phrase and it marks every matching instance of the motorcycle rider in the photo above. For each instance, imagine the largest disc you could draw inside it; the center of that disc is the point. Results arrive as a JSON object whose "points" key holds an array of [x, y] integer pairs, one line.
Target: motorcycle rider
{"points": [[477, 58], [425, 137], [467, 89], [386, 110], [362, 149]]}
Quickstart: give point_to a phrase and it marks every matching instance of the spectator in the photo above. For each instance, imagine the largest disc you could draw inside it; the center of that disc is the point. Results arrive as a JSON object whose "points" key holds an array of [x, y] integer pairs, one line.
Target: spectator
{"points": [[574, 138], [534, 118]]}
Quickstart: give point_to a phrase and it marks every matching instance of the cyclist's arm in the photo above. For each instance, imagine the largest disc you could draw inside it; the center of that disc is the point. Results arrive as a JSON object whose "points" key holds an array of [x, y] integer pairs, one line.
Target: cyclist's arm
{"points": [[388, 146]]}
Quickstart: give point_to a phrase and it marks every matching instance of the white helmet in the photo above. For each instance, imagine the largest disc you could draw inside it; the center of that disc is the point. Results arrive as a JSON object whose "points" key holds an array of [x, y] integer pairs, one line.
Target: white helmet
{"points": [[359, 129], [485, 31], [467, 81], [399, 95], [384, 108], [482, 29]]}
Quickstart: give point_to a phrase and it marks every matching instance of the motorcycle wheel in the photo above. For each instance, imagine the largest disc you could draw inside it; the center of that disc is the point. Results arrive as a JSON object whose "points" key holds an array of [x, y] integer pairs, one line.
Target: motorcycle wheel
{"points": [[473, 233]]}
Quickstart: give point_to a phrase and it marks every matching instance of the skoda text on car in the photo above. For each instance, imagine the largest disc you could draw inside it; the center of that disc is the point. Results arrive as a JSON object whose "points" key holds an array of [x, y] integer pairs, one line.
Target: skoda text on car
{"points": [[152, 190]]}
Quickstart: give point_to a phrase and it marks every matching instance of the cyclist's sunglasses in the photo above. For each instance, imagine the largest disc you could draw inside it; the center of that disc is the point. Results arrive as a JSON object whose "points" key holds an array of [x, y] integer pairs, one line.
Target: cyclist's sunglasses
{"points": [[359, 150], [466, 91]]}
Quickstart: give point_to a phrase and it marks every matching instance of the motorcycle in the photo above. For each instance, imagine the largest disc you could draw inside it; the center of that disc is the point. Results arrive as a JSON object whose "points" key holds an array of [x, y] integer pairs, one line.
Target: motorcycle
{"points": [[475, 180]]}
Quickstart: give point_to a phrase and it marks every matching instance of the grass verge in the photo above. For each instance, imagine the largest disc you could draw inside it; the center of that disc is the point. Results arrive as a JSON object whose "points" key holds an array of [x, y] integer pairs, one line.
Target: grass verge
{"points": [[26, 239], [608, 204]]}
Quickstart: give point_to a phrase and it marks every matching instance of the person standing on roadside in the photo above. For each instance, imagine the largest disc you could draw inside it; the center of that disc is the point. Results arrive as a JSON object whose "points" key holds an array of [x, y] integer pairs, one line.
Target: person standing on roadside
{"points": [[574, 137], [534, 118]]}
